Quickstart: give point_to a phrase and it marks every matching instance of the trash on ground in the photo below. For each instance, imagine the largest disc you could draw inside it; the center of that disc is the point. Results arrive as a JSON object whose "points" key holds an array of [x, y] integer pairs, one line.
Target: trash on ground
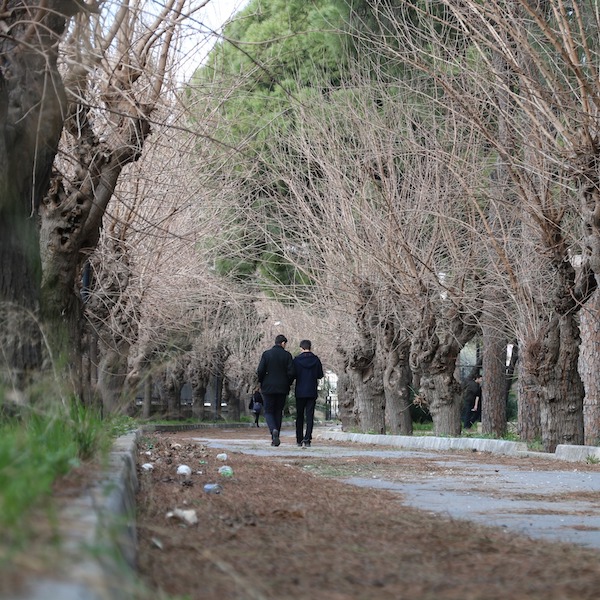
{"points": [[213, 488], [226, 471], [189, 517]]}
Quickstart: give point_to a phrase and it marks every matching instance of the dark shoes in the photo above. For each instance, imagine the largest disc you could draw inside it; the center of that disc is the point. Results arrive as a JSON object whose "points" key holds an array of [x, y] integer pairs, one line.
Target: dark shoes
{"points": [[306, 443], [275, 438]]}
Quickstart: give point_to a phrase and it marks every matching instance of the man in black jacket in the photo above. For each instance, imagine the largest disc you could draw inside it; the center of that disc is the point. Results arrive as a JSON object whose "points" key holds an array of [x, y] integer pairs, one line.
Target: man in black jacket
{"points": [[275, 374], [309, 370], [472, 402]]}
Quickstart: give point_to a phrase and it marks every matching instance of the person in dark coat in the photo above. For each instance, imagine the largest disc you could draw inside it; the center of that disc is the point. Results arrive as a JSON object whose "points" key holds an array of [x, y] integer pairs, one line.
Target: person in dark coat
{"points": [[276, 374], [309, 370], [256, 405], [472, 402]]}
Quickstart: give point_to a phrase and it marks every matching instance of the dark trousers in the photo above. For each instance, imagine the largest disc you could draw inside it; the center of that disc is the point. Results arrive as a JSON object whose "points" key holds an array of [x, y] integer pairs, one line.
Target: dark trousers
{"points": [[305, 406], [469, 415], [274, 405]]}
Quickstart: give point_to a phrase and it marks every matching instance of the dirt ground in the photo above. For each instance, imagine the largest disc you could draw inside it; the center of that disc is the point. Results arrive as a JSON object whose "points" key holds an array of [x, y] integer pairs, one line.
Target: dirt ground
{"points": [[287, 527]]}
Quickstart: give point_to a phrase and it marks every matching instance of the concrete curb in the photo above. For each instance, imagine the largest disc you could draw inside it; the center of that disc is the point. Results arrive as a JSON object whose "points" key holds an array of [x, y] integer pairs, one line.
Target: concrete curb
{"points": [[98, 537], [577, 453], [429, 442], [563, 451]]}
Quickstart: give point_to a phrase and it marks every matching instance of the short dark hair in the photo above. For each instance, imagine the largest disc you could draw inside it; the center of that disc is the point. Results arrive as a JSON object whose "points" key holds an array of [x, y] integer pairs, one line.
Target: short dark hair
{"points": [[280, 339], [305, 345]]}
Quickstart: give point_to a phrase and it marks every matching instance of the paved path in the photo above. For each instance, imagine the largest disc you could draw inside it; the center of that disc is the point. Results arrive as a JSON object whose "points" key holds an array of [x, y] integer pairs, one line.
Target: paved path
{"points": [[559, 503]]}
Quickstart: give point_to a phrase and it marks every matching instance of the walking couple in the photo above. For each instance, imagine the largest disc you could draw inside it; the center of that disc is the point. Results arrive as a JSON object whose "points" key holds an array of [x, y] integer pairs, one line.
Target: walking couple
{"points": [[276, 372]]}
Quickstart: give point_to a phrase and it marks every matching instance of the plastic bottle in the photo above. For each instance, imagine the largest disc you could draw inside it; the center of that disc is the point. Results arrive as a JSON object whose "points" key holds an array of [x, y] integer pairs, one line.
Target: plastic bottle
{"points": [[226, 471], [213, 488]]}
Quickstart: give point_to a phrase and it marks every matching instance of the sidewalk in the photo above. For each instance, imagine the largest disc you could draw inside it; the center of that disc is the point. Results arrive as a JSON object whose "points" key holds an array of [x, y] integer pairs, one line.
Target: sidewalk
{"points": [[536, 494]]}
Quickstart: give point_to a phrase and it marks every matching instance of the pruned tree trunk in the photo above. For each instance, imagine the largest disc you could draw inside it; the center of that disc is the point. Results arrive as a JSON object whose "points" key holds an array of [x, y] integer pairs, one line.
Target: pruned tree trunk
{"points": [[214, 389], [561, 407], [233, 398], [199, 393], [396, 386], [112, 373], [444, 399], [585, 172], [493, 404], [103, 134], [32, 105], [529, 416], [170, 386], [589, 359], [433, 357], [552, 402], [346, 406], [147, 401], [369, 398]]}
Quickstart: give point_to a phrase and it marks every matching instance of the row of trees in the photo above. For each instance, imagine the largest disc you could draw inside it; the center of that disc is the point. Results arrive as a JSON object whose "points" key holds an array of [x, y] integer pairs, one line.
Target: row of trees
{"points": [[440, 183], [394, 178], [101, 209]]}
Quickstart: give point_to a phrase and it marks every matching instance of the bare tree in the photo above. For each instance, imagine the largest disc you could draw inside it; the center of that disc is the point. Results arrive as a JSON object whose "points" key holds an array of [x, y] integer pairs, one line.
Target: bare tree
{"points": [[32, 104], [115, 61], [516, 69], [381, 213]]}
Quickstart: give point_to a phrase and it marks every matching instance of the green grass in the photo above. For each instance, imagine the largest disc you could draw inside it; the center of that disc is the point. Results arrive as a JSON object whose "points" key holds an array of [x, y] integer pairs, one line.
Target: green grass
{"points": [[427, 426], [36, 449]]}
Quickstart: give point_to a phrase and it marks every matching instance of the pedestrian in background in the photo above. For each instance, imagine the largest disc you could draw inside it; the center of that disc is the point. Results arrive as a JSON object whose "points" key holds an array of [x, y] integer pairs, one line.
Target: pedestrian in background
{"points": [[472, 401], [256, 404], [276, 374], [308, 370]]}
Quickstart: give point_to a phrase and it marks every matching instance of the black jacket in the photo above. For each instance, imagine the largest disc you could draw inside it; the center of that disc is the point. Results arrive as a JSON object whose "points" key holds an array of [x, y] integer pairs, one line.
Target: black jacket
{"points": [[472, 391], [309, 370], [275, 371]]}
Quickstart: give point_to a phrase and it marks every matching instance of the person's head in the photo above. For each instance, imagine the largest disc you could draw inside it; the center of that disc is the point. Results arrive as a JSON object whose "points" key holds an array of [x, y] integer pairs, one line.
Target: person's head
{"points": [[305, 345], [280, 340]]}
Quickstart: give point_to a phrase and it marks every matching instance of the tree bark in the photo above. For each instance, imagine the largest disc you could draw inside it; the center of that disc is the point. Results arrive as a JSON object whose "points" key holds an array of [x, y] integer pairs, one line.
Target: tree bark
{"points": [[493, 403], [552, 403], [32, 103], [589, 359], [396, 387], [369, 398], [147, 401], [112, 373], [347, 409], [434, 351], [171, 384], [529, 416]]}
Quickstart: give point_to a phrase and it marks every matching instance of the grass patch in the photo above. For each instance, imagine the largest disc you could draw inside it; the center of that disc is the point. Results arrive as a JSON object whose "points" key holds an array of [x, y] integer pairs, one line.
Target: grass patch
{"points": [[36, 449]]}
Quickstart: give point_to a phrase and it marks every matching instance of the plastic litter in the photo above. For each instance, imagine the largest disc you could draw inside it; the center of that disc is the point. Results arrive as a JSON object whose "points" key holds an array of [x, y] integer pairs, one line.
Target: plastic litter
{"points": [[226, 471], [222, 456], [213, 488], [184, 470], [189, 517]]}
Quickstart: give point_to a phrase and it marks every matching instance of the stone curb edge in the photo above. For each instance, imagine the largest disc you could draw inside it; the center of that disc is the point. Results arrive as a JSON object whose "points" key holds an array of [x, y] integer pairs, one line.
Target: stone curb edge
{"points": [[563, 451], [98, 537]]}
